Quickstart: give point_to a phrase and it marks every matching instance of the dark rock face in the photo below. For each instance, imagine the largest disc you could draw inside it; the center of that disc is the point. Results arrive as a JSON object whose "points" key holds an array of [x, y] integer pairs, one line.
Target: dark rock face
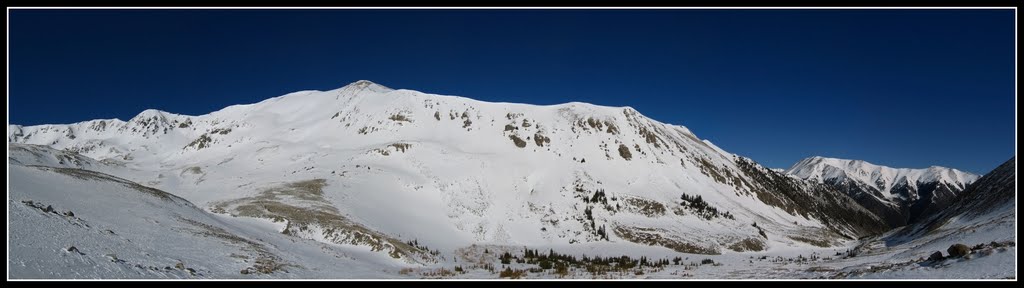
{"points": [[991, 191], [920, 199], [994, 189], [934, 196], [870, 198], [958, 250], [936, 256]]}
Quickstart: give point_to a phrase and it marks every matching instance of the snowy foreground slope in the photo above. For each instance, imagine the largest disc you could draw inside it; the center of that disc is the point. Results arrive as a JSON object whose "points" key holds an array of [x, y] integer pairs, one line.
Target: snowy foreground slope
{"points": [[983, 217], [68, 222], [369, 182]]}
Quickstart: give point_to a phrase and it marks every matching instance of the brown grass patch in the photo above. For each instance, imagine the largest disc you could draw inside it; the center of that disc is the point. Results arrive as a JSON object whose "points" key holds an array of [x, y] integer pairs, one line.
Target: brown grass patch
{"points": [[649, 208], [303, 205], [749, 244], [650, 236]]}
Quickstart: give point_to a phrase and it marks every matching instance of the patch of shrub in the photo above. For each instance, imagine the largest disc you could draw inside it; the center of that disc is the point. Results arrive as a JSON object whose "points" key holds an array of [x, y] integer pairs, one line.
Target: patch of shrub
{"points": [[399, 118], [541, 139], [624, 152], [512, 274], [519, 142], [611, 128], [202, 142], [702, 208], [749, 244]]}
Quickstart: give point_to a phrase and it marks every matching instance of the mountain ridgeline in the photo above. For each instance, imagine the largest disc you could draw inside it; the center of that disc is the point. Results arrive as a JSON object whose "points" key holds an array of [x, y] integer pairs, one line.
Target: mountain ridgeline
{"points": [[898, 196], [400, 171]]}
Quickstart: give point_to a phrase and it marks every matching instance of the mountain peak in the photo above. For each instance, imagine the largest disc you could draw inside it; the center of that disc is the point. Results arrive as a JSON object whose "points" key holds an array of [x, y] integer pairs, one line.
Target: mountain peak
{"points": [[367, 85], [824, 168], [150, 113], [362, 83], [862, 164]]}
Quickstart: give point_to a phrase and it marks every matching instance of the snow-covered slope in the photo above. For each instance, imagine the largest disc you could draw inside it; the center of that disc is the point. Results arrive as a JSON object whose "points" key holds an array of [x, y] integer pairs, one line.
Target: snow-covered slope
{"points": [[67, 222], [898, 195], [419, 178]]}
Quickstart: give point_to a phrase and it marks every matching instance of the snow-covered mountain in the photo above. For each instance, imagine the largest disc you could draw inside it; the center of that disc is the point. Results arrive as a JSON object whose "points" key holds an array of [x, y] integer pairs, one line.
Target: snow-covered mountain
{"points": [[421, 178], [898, 195]]}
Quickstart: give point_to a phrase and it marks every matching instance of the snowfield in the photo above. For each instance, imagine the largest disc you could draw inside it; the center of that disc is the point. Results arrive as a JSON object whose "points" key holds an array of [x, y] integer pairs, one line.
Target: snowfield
{"points": [[369, 182]]}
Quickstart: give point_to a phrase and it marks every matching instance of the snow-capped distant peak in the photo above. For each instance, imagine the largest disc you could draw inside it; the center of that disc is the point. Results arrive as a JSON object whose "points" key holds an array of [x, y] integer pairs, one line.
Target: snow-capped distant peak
{"points": [[881, 177]]}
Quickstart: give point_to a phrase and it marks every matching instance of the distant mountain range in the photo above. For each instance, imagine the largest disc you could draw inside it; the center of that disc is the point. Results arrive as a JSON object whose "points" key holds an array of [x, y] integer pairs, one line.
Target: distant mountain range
{"points": [[899, 196]]}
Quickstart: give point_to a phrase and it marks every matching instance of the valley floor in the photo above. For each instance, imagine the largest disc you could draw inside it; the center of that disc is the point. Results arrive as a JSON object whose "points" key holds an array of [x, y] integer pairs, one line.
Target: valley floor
{"points": [[40, 240], [67, 223], [877, 262]]}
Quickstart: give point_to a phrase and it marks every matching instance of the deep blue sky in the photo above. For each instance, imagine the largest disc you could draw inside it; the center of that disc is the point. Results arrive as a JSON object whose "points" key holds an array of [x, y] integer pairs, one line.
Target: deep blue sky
{"points": [[904, 88]]}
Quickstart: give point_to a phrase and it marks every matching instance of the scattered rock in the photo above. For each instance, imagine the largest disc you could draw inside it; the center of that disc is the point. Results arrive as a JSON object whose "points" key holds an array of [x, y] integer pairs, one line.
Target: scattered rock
{"points": [[180, 266], [191, 271], [245, 271], [48, 209], [935, 256], [69, 213], [74, 249], [958, 250], [113, 258], [1002, 244]]}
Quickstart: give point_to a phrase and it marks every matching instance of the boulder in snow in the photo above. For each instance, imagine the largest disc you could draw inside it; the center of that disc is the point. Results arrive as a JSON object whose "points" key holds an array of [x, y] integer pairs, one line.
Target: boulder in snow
{"points": [[958, 250]]}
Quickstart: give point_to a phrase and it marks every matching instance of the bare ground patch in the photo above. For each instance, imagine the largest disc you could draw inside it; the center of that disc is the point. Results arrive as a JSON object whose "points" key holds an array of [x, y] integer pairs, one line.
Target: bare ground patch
{"points": [[265, 263], [303, 206], [649, 208], [653, 237], [748, 244]]}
